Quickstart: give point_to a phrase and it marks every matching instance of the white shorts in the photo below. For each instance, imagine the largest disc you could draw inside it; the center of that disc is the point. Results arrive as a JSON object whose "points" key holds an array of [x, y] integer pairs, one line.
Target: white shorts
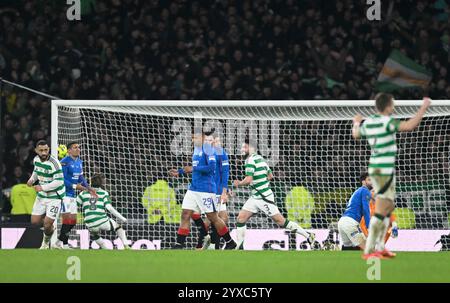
{"points": [[200, 202], [48, 207], [254, 205], [379, 182], [109, 225], [350, 232], [221, 206], [69, 206]]}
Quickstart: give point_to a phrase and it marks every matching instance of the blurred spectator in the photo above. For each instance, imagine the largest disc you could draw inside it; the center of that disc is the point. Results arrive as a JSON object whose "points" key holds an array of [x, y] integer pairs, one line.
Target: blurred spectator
{"points": [[17, 177], [160, 202], [22, 200]]}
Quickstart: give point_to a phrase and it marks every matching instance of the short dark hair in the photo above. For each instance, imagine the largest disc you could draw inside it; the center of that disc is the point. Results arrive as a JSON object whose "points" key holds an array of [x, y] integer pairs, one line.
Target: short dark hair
{"points": [[41, 142], [71, 143], [383, 100], [363, 176], [98, 180], [248, 142], [210, 132]]}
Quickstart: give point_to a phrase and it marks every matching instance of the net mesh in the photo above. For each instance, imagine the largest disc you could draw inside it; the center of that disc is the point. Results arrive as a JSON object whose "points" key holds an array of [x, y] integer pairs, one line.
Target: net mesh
{"points": [[315, 160]]}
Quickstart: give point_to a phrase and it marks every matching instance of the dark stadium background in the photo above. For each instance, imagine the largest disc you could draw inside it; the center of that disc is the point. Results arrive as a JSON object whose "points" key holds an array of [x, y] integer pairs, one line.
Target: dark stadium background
{"points": [[194, 50]]}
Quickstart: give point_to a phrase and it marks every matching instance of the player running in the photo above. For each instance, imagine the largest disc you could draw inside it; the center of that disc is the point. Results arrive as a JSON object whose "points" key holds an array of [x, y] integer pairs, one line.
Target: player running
{"points": [[258, 175], [50, 190], [380, 130], [358, 207], [74, 181], [201, 195], [94, 210]]}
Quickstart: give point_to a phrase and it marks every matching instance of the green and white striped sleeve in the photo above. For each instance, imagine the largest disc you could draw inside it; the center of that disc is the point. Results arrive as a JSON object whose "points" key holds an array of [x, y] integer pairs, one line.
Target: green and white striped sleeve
{"points": [[250, 167], [107, 199], [79, 201], [393, 125]]}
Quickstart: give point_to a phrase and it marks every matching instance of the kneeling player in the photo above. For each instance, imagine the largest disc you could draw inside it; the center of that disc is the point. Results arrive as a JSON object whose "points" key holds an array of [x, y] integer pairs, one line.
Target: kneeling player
{"points": [[95, 216], [357, 207], [258, 174]]}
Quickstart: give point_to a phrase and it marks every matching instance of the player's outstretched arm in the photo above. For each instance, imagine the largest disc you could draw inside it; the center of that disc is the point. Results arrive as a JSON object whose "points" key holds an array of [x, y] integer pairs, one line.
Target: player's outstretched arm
{"points": [[58, 179], [356, 133], [209, 168], [32, 179], [247, 180], [411, 124], [116, 214], [179, 172]]}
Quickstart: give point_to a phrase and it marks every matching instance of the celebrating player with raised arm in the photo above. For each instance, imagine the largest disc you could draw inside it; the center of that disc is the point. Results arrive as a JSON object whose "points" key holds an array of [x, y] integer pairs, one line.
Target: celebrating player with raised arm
{"points": [[50, 190], [94, 210], [201, 196], [257, 175], [74, 181], [358, 207], [380, 130]]}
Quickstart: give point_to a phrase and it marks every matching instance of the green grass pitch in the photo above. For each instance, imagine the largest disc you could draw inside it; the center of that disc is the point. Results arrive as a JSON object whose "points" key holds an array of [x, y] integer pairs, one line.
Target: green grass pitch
{"points": [[28, 265]]}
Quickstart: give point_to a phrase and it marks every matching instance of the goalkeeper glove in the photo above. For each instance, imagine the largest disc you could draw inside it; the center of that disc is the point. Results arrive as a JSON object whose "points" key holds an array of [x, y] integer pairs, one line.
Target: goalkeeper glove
{"points": [[394, 231]]}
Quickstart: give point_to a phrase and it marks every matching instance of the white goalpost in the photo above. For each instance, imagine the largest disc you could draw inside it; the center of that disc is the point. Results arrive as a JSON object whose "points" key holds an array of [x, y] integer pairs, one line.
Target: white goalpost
{"points": [[308, 144]]}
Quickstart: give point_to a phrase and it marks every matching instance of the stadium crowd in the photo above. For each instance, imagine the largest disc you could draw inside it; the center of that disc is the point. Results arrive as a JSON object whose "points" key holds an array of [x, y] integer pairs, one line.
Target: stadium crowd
{"points": [[204, 49]]}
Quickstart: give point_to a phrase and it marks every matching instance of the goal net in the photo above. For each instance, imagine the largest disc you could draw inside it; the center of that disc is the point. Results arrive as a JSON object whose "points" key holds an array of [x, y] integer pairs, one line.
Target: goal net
{"points": [[308, 144]]}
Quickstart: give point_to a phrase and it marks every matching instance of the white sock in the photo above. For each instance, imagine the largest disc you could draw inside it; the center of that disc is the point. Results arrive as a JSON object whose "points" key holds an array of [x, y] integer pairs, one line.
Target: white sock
{"points": [[121, 233], [376, 227], [47, 238], [101, 243], [380, 240], [241, 235], [293, 226]]}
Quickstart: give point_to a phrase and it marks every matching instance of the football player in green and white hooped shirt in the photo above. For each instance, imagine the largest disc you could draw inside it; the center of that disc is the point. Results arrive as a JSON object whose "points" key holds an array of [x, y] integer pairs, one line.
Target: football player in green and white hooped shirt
{"points": [[50, 190], [258, 176], [95, 216], [380, 130]]}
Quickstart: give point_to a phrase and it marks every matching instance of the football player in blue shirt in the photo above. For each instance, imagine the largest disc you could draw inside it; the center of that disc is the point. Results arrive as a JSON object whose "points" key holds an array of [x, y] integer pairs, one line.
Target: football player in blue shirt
{"points": [[357, 207], [74, 181], [221, 177], [201, 195]]}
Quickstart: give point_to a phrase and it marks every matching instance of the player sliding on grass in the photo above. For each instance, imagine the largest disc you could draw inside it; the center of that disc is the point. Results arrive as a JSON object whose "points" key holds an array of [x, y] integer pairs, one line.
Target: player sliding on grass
{"points": [[257, 175], [201, 196], [380, 130], [50, 190], [358, 207], [94, 210]]}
